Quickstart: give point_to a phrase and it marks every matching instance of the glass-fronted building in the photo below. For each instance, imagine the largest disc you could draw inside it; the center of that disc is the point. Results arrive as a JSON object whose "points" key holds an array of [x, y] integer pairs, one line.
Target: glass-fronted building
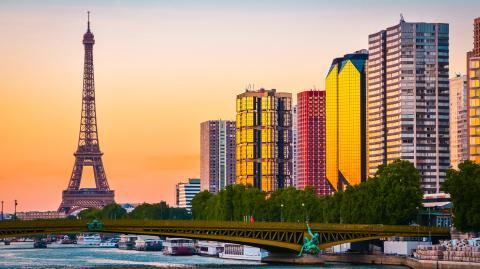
{"points": [[345, 120], [217, 154], [473, 84], [311, 142], [408, 99], [264, 139]]}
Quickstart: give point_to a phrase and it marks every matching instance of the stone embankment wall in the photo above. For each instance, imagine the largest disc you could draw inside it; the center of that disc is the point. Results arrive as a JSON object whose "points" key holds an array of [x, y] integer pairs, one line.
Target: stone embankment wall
{"points": [[398, 260]]}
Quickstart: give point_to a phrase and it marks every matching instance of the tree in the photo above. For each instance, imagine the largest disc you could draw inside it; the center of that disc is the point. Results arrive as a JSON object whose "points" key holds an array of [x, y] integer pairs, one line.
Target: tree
{"points": [[399, 192], [90, 213], [179, 214], [199, 203], [463, 185], [113, 211], [391, 196]]}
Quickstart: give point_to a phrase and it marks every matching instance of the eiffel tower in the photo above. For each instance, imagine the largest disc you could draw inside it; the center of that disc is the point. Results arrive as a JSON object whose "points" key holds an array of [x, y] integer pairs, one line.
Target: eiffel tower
{"points": [[88, 151]]}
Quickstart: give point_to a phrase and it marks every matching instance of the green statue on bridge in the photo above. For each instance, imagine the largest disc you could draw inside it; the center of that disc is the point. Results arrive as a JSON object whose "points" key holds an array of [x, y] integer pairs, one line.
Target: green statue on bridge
{"points": [[310, 246], [95, 225]]}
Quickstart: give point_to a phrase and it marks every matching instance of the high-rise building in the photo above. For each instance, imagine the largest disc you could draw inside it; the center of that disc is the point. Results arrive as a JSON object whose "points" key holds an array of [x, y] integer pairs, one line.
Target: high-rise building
{"points": [[345, 120], [408, 106], [458, 120], [473, 84], [311, 142], [217, 154], [294, 147], [185, 191], [264, 139]]}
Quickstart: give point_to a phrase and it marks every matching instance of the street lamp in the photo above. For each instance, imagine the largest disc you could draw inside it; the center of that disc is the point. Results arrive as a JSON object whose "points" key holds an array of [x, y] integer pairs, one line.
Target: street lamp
{"points": [[2, 210], [281, 212], [15, 212]]}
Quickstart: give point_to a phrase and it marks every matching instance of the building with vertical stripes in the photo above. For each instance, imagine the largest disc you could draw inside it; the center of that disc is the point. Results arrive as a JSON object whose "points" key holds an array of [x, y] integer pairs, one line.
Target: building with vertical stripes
{"points": [[408, 99], [458, 120], [473, 84], [264, 139], [217, 154], [294, 180], [311, 142]]}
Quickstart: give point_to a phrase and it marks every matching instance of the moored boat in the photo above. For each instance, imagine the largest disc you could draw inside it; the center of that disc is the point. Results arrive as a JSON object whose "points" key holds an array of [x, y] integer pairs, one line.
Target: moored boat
{"points": [[148, 243], [110, 243], [89, 240], [178, 247], [127, 241], [242, 252], [209, 248]]}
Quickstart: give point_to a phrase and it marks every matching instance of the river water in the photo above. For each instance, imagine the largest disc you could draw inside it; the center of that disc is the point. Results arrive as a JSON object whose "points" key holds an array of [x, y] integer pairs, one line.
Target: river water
{"points": [[23, 255]]}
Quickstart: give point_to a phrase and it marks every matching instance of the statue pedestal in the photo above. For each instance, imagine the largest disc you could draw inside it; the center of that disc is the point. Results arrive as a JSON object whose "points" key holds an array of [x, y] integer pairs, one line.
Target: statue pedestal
{"points": [[291, 258]]}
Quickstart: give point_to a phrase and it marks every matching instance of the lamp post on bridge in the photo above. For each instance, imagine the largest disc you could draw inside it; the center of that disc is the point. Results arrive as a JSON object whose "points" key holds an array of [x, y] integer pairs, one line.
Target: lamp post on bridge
{"points": [[2, 210], [15, 210], [281, 212]]}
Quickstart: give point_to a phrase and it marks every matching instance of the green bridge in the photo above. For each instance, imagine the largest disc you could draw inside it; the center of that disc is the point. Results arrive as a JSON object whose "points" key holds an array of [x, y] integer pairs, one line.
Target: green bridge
{"points": [[273, 236]]}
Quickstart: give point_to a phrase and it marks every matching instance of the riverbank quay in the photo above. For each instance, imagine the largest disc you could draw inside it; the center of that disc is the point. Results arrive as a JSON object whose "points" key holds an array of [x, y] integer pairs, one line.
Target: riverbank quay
{"points": [[291, 258], [398, 260]]}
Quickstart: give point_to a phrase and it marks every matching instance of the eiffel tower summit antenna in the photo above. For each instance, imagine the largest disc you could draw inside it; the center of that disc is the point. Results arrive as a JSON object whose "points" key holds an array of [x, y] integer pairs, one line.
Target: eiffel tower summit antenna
{"points": [[88, 150]]}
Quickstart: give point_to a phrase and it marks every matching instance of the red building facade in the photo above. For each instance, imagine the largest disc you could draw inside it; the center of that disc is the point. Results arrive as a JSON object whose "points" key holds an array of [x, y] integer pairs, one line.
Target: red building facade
{"points": [[311, 142]]}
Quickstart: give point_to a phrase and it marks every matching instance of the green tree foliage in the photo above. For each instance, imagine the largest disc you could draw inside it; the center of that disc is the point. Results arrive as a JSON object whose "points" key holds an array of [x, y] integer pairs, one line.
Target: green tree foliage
{"points": [[113, 211], [199, 203], [90, 213], [159, 211], [233, 203], [463, 185], [391, 196]]}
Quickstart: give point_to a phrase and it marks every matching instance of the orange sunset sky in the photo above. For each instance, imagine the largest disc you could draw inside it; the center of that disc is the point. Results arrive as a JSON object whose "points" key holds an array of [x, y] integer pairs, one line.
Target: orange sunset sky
{"points": [[161, 68]]}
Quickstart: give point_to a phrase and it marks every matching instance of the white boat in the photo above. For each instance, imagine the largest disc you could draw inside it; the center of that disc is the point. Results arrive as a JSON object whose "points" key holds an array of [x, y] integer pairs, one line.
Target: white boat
{"points": [[178, 247], [89, 240], [242, 252], [127, 241], [110, 243], [209, 248], [148, 243]]}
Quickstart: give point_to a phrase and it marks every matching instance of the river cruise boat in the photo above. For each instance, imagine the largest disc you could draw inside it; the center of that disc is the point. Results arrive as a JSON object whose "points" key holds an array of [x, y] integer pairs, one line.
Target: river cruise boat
{"points": [[110, 243], [89, 240], [178, 247], [148, 243], [127, 241], [241, 252], [209, 248]]}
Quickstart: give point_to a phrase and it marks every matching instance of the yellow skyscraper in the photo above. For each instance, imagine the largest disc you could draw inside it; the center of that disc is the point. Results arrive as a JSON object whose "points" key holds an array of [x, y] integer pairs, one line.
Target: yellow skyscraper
{"points": [[264, 137], [346, 120]]}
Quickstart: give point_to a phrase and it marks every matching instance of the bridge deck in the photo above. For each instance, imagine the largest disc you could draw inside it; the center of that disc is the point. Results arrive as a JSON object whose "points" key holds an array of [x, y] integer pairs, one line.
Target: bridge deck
{"points": [[273, 236]]}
